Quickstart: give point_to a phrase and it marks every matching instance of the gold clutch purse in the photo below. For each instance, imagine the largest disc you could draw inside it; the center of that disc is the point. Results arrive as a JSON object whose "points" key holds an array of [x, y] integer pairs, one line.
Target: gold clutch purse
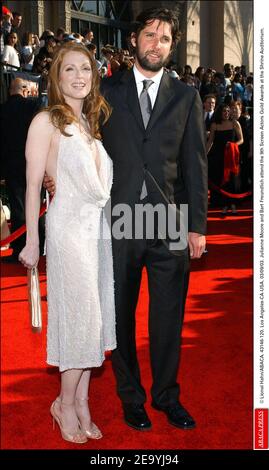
{"points": [[34, 300]]}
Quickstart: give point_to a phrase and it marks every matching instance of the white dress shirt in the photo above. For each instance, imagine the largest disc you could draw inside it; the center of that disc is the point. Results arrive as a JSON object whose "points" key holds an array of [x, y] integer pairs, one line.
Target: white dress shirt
{"points": [[153, 89], [209, 114]]}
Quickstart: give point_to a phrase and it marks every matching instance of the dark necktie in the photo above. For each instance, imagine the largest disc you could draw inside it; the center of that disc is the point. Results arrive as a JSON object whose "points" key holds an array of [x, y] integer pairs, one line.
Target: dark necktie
{"points": [[207, 121], [145, 103], [146, 109]]}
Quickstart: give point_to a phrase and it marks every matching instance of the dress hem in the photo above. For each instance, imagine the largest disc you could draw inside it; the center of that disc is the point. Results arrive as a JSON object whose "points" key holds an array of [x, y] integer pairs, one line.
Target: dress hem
{"points": [[80, 366]]}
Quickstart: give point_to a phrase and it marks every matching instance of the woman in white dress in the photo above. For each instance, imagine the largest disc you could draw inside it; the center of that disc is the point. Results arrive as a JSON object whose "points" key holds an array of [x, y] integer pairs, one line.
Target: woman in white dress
{"points": [[10, 53], [63, 141]]}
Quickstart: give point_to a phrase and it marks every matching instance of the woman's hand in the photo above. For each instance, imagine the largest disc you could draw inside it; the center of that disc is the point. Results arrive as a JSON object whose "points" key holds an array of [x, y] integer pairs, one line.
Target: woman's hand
{"points": [[29, 256]]}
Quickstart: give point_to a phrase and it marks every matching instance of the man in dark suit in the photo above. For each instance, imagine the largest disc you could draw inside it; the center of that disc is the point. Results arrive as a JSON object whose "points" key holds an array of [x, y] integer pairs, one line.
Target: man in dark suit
{"points": [[209, 104], [16, 115], [155, 137]]}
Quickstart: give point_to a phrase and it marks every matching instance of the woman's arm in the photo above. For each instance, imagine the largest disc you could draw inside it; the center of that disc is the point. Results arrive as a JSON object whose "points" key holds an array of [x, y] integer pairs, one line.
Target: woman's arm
{"points": [[5, 57], [37, 150], [211, 137], [27, 57], [239, 133]]}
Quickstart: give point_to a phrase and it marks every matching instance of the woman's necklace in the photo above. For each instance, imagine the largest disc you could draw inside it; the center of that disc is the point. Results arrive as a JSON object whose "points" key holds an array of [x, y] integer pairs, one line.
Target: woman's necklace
{"points": [[90, 140], [83, 130]]}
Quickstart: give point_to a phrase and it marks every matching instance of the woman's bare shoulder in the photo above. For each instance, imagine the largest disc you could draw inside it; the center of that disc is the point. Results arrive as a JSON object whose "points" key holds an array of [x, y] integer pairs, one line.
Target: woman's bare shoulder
{"points": [[43, 121], [236, 124]]}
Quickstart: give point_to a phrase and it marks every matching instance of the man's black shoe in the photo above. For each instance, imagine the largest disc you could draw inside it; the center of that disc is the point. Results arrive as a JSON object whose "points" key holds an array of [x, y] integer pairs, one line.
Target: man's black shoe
{"points": [[135, 416], [177, 415]]}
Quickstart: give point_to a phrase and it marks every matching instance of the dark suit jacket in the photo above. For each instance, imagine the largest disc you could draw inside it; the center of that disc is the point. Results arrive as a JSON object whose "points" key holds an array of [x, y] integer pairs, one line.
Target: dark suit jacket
{"points": [[170, 154], [208, 121]]}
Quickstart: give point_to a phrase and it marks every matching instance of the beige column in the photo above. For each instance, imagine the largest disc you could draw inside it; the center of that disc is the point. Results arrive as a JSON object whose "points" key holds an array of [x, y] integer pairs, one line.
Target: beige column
{"points": [[238, 36], [193, 34]]}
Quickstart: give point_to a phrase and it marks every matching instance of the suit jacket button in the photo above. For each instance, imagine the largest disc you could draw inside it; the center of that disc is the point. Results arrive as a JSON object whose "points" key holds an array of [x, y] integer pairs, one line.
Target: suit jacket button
{"points": [[145, 140], [145, 166]]}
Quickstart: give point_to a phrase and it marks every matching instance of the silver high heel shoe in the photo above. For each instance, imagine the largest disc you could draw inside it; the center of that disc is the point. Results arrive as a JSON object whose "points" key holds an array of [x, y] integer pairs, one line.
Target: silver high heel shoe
{"points": [[78, 437], [93, 432]]}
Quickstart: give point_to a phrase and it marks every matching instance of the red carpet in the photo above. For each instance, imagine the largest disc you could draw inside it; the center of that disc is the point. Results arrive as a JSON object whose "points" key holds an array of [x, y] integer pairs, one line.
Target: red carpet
{"points": [[216, 364]]}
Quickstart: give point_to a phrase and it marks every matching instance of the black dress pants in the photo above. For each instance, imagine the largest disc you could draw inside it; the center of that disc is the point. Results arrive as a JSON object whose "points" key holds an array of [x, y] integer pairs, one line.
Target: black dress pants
{"points": [[168, 277]]}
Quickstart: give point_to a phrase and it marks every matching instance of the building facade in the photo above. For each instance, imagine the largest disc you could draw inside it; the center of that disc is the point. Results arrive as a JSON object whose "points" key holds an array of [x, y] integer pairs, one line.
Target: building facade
{"points": [[214, 32]]}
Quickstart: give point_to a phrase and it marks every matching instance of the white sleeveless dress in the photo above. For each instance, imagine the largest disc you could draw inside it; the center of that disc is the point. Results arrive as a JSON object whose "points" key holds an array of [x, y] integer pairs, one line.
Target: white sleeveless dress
{"points": [[80, 283]]}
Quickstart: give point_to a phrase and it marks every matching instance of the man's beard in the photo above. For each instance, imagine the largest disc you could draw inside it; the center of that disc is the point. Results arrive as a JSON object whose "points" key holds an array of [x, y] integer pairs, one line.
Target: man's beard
{"points": [[149, 66]]}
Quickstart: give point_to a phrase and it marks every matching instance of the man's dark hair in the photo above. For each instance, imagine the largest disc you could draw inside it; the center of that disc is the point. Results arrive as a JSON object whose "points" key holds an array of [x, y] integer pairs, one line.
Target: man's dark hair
{"points": [[220, 76], [210, 95], [162, 14], [16, 13], [91, 47], [87, 31]]}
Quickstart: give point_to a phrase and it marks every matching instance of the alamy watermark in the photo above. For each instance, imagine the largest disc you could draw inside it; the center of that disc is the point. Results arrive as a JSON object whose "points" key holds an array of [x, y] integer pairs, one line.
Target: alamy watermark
{"points": [[163, 221]]}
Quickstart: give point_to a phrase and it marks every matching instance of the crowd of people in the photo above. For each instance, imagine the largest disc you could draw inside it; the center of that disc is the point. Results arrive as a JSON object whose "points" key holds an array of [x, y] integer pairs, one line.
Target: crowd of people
{"points": [[26, 50]]}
